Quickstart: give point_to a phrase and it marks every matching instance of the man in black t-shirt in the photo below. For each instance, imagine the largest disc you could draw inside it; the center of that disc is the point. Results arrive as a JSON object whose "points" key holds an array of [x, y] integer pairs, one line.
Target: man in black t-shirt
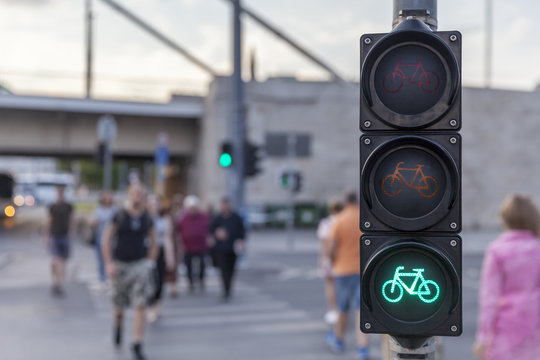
{"points": [[229, 235], [56, 236], [129, 261]]}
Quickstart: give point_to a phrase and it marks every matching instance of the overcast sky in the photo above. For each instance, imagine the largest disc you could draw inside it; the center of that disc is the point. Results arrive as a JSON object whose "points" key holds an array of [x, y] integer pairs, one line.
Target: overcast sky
{"points": [[42, 42]]}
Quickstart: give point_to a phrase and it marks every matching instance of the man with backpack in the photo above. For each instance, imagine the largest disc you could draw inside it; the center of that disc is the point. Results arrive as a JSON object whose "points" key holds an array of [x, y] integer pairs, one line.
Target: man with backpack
{"points": [[129, 262]]}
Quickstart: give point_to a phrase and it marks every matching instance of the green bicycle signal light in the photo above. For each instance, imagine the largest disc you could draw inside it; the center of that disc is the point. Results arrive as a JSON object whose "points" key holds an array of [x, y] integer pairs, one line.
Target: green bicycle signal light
{"points": [[411, 284], [428, 290]]}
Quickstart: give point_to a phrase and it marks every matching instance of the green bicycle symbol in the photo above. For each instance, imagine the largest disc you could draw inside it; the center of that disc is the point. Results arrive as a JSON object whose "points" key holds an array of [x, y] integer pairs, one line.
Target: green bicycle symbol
{"points": [[427, 290]]}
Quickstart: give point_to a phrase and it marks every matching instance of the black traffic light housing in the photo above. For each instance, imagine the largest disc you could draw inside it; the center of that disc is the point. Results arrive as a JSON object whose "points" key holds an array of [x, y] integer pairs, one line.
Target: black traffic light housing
{"points": [[291, 180], [226, 157], [388, 61], [297, 183], [252, 160], [436, 311], [410, 183]]}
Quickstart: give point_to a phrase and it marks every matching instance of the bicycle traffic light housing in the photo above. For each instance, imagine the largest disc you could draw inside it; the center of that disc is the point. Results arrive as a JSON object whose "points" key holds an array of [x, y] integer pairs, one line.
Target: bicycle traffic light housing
{"points": [[410, 183], [421, 67], [411, 285]]}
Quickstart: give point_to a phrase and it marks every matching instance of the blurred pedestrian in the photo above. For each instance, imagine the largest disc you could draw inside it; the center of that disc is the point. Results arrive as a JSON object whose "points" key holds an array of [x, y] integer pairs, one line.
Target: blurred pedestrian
{"points": [[325, 263], [229, 234], [509, 316], [193, 229], [165, 261], [102, 216], [344, 250], [171, 277], [57, 234], [131, 263]]}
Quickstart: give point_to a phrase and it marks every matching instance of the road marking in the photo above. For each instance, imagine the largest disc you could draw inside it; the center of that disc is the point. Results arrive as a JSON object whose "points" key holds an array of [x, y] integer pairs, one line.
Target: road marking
{"points": [[228, 319]]}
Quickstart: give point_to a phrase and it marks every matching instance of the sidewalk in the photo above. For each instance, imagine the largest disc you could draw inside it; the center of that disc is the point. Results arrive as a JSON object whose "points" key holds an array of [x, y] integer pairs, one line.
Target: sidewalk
{"points": [[305, 241]]}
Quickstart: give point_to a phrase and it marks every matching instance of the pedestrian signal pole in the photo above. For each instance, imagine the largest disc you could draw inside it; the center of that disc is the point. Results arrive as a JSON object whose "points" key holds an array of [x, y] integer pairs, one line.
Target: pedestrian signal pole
{"points": [[410, 163]]}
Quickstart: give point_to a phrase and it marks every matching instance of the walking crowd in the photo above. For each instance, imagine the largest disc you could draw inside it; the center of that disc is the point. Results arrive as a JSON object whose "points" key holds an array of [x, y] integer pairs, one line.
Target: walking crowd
{"points": [[139, 247]]}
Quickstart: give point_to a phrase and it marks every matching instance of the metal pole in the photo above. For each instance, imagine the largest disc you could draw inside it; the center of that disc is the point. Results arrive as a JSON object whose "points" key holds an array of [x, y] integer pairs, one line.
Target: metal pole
{"points": [[291, 42], [425, 352], [489, 43], [151, 30], [426, 11], [107, 166], [89, 44], [238, 110], [291, 154]]}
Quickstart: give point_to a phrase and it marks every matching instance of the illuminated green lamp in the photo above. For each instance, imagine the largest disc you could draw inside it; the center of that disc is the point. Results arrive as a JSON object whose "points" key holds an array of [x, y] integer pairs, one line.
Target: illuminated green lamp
{"points": [[427, 290], [225, 160]]}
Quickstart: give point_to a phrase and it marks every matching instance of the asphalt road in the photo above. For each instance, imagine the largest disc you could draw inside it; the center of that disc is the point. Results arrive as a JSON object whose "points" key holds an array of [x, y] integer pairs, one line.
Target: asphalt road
{"points": [[276, 312]]}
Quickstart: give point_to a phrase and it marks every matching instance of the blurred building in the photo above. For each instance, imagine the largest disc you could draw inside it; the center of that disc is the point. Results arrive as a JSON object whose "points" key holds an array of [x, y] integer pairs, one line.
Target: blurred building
{"points": [[500, 139], [500, 143]]}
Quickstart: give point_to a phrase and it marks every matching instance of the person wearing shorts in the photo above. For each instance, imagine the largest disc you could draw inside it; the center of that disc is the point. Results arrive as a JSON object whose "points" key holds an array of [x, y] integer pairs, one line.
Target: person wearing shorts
{"points": [[56, 237], [344, 250], [130, 263]]}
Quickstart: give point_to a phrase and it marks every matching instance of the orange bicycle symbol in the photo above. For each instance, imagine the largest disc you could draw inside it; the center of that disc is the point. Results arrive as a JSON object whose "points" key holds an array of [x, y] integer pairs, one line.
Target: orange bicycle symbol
{"points": [[426, 186], [428, 81]]}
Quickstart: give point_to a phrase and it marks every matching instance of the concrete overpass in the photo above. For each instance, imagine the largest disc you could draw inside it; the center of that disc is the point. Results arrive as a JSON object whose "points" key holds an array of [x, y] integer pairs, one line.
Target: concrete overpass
{"points": [[66, 127]]}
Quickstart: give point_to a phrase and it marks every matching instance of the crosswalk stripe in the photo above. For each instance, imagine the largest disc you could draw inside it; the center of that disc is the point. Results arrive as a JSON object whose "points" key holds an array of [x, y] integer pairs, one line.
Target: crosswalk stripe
{"points": [[287, 327], [234, 319]]}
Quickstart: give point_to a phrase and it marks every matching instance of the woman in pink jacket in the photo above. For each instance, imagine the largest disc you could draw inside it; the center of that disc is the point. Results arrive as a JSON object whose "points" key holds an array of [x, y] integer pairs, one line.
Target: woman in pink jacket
{"points": [[509, 316]]}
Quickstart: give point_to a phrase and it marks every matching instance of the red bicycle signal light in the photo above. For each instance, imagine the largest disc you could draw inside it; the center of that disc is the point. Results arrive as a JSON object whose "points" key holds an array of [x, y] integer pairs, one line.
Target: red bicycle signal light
{"points": [[410, 79]]}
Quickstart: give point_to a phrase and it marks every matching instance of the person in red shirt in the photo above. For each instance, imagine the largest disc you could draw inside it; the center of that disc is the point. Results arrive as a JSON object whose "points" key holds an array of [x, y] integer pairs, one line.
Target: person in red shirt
{"points": [[193, 230]]}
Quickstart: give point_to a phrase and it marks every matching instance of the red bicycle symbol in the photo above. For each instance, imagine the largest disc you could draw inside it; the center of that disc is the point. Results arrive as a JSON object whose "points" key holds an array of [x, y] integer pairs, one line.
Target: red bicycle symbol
{"points": [[426, 186], [428, 81]]}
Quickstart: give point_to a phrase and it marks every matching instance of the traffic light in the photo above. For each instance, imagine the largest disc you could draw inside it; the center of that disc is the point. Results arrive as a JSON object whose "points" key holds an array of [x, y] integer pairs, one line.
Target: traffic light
{"points": [[225, 159], [291, 180], [410, 181], [284, 180], [297, 182], [252, 159]]}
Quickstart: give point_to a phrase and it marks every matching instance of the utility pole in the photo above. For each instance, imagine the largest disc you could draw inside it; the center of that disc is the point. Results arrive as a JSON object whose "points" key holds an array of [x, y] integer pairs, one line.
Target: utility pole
{"points": [[107, 131], [238, 113], [489, 43], [89, 43]]}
